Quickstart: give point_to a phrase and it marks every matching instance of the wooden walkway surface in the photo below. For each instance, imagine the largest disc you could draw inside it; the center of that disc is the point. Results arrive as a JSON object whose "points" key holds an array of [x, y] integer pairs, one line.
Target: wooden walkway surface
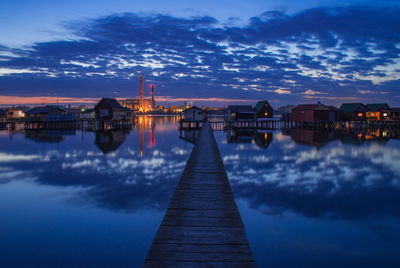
{"points": [[202, 226]]}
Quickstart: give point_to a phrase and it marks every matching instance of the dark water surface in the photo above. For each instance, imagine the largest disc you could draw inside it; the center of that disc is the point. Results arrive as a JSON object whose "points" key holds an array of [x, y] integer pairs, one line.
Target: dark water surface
{"points": [[308, 199]]}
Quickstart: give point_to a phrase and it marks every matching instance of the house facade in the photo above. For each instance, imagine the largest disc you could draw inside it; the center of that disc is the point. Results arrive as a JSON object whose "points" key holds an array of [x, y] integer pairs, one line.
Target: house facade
{"points": [[47, 114], [378, 112], [263, 110], [109, 109], [240, 112], [194, 114], [314, 113], [353, 112]]}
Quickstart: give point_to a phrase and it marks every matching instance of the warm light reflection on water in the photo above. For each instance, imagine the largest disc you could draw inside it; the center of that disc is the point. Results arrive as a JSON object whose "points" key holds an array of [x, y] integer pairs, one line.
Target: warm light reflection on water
{"points": [[307, 198]]}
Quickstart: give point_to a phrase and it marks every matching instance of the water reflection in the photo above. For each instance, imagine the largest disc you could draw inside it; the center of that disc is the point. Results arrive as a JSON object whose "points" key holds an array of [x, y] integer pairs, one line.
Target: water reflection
{"points": [[117, 175], [109, 141], [48, 135], [261, 138], [189, 135], [320, 180], [310, 137], [310, 184], [346, 183]]}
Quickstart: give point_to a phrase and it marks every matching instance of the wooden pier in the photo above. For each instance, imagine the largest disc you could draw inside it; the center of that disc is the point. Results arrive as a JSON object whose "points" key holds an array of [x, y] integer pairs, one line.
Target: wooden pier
{"points": [[202, 226], [281, 125]]}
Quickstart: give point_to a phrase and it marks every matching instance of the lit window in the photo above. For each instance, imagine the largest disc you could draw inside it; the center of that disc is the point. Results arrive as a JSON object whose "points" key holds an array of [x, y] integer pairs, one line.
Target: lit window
{"points": [[385, 114], [360, 114], [266, 114]]}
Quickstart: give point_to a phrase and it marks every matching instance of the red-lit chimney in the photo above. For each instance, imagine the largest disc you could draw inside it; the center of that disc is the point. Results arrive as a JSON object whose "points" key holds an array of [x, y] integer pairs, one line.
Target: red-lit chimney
{"points": [[141, 108]]}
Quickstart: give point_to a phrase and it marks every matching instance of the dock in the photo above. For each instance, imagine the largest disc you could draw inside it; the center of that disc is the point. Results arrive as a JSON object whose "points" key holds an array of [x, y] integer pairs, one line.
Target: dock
{"points": [[284, 124], [202, 226]]}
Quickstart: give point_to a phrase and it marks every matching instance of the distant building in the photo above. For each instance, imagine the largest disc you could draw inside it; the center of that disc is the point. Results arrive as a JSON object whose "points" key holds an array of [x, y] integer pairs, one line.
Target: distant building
{"points": [[353, 112], [378, 112], [240, 112], [263, 110], [194, 114], [175, 109], [15, 113], [314, 113], [134, 104], [110, 109]]}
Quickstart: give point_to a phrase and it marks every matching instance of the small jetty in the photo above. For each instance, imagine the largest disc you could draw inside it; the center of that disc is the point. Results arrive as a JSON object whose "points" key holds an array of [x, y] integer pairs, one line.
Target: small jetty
{"points": [[202, 226]]}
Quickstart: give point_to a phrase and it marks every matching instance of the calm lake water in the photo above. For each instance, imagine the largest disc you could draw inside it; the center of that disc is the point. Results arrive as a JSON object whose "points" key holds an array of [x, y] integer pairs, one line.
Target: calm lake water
{"points": [[308, 199]]}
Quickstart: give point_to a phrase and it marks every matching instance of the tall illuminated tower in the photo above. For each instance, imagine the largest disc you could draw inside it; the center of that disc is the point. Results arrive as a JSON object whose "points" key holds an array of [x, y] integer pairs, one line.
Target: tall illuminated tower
{"points": [[153, 102], [141, 102]]}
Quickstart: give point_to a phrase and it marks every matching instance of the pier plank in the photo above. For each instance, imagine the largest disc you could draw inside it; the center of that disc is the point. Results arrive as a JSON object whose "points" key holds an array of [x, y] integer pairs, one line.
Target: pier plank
{"points": [[202, 226]]}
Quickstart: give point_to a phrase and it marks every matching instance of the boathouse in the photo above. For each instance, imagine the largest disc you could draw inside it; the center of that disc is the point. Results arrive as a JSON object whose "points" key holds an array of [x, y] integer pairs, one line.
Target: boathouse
{"points": [[353, 112], [109, 109], [47, 114], [314, 113], [378, 112], [194, 114], [263, 110], [240, 112]]}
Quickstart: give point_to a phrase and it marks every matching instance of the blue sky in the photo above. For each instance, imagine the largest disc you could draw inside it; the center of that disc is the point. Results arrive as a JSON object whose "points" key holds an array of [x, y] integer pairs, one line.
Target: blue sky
{"points": [[283, 51]]}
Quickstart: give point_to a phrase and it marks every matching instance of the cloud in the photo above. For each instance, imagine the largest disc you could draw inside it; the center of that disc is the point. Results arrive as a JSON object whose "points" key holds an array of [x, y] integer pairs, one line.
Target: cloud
{"points": [[312, 92], [339, 52]]}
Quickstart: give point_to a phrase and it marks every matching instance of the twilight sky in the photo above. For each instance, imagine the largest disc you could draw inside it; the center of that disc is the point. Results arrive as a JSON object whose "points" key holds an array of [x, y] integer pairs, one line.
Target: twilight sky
{"points": [[287, 52]]}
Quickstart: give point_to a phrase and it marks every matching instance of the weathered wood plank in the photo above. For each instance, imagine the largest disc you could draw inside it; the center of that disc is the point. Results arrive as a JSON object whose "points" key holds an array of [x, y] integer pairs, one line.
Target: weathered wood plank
{"points": [[208, 264], [200, 256], [202, 226]]}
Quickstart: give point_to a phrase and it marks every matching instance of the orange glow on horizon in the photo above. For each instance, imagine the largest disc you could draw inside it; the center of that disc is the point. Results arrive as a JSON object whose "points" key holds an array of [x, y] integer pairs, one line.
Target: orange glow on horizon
{"points": [[18, 100]]}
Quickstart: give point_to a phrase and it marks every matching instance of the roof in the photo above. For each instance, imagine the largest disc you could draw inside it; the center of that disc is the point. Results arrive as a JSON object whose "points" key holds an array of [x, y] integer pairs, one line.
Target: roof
{"points": [[314, 107], [395, 109], [113, 103], [350, 107], [194, 107], [303, 107], [377, 106], [43, 110], [261, 104], [240, 109]]}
